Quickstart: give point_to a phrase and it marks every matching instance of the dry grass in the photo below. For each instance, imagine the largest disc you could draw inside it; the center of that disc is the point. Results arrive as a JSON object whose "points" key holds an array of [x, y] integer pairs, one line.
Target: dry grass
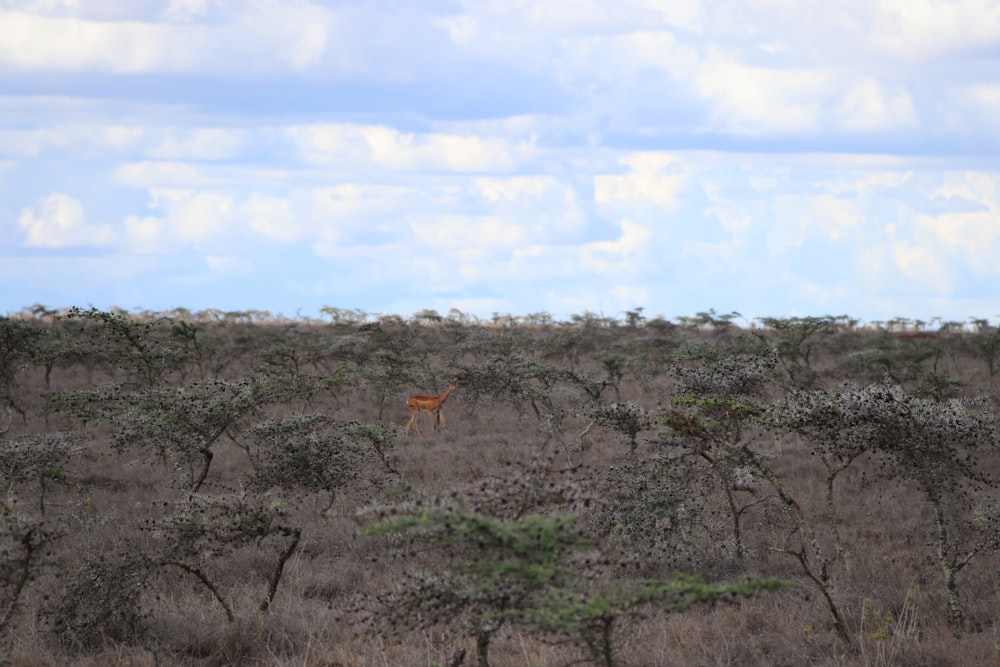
{"points": [[887, 583]]}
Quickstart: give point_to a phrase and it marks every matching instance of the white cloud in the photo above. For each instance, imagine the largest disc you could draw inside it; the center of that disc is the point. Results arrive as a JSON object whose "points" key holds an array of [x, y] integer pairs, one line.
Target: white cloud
{"points": [[618, 256], [869, 182], [869, 107], [193, 217], [733, 216], [185, 10], [72, 139], [757, 100], [60, 222], [685, 14], [386, 147], [145, 235], [653, 177], [272, 217], [150, 175], [797, 219], [974, 235], [928, 29], [261, 36], [113, 139], [631, 295], [514, 189], [344, 213], [486, 26], [973, 108], [552, 206], [921, 266], [35, 42], [469, 237], [105, 10], [535, 124], [974, 186], [715, 255], [215, 222], [210, 143], [909, 265]]}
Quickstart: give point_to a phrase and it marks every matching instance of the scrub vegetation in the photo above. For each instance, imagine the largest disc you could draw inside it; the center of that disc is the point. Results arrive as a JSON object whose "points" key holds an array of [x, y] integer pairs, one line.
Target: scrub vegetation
{"points": [[212, 488]]}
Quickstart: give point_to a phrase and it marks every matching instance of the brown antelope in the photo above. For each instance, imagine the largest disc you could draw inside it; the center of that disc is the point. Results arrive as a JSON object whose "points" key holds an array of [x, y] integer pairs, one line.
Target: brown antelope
{"points": [[432, 405]]}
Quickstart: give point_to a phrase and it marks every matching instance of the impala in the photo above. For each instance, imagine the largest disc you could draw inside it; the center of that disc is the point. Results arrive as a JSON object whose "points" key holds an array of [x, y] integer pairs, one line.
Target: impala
{"points": [[431, 404]]}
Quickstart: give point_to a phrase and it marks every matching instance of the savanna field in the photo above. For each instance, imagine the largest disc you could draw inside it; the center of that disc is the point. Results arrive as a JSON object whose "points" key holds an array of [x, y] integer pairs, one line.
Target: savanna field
{"points": [[219, 488]]}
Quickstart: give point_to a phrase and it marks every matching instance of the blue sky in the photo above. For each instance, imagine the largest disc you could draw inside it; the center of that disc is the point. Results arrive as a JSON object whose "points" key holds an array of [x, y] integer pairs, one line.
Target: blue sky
{"points": [[771, 157]]}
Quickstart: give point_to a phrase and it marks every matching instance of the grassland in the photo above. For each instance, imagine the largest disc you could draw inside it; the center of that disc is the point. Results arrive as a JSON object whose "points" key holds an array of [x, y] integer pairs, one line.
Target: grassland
{"points": [[204, 492]]}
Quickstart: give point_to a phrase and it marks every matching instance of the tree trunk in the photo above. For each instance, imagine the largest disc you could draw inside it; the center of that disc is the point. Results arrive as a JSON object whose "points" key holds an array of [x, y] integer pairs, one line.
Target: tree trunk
{"points": [[483, 648], [956, 616]]}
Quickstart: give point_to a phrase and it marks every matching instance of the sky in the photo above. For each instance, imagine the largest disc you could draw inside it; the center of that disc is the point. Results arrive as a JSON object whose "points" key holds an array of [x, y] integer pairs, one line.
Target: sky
{"points": [[775, 158]]}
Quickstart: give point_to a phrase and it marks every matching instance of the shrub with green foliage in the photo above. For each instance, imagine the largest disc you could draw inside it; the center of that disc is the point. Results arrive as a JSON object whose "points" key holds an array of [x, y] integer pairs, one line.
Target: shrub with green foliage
{"points": [[537, 570]]}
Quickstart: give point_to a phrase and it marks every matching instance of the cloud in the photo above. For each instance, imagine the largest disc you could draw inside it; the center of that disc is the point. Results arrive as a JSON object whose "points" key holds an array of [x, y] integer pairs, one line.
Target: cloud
{"points": [[921, 30], [149, 174], [218, 222], [519, 29], [69, 139], [111, 139], [799, 218], [619, 256], [263, 36], [488, 146], [195, 217], [183, 11], [388, 148], [906, 261], [755, 100], [653, 177], [973, 234], [869, 106], [515, 189], [36, 42], [189, 219], [145, 234], [272, 218], [717, 255], [59, 221], [468, 238], [552, 206], [210, 143]]}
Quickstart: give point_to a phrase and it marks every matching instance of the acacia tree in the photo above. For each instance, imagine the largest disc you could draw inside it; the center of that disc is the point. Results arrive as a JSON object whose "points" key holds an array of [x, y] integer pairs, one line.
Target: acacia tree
{"points": [[180, 426], [386, 374], [141, 348], [987, 343], [501, 555], [37, 458], [101, 602], [19, 343], [716, 419], [22, 545], [514, 379], [304, 453], [203, 532], [626, 418], [940, 446], [711, 420], [656, 506], [794, 339]]}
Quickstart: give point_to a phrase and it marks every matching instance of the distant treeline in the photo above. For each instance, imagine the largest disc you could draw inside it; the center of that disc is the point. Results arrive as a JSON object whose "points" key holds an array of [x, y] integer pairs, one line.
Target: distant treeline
{"points": [[635, 317]]}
